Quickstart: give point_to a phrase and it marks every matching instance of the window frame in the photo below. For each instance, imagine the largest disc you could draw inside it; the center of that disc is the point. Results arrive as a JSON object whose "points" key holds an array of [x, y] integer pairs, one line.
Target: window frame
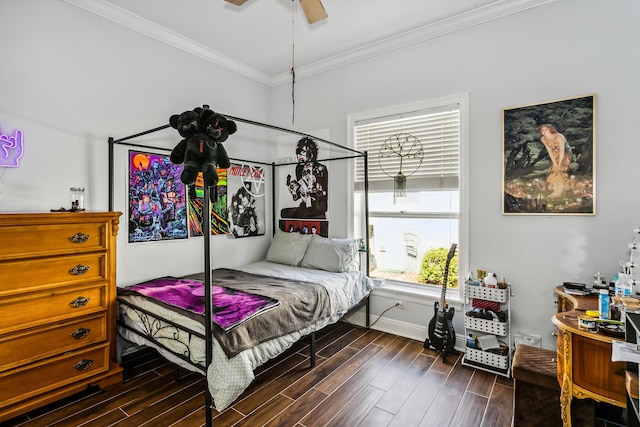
{"points": [[462, 100]]}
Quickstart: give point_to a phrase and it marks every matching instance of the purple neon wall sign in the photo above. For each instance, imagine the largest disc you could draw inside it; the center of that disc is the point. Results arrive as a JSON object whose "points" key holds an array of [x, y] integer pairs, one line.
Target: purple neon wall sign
{"points": [[11, 149]]}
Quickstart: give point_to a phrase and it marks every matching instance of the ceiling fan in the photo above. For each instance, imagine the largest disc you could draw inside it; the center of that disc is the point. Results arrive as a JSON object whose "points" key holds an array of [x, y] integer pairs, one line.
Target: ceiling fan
{"points": [[313, 9]]}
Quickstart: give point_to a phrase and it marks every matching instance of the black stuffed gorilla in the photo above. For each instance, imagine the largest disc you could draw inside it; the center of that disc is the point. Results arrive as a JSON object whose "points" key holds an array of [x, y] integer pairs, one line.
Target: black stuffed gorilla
{"points": [[203, 131]]}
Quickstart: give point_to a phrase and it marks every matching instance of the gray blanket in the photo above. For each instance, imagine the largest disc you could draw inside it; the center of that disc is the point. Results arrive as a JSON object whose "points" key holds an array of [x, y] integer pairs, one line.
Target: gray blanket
{"points": [[301, 303]]}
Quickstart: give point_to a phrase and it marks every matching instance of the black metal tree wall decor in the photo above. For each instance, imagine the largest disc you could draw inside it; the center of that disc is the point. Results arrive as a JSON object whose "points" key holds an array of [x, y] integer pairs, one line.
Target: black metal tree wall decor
{"points": [[401, 146]]}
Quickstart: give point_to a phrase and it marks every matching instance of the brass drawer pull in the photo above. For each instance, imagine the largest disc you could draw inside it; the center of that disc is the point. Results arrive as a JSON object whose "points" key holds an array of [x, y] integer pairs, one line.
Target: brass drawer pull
{"points": [[79, 237], [83, 365], [79, 302], [80, 333], [79, 269]]}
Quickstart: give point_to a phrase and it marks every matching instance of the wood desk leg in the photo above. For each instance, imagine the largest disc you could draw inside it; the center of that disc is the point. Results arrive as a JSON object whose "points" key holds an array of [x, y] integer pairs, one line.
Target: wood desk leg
{"points": [[566, 394]]}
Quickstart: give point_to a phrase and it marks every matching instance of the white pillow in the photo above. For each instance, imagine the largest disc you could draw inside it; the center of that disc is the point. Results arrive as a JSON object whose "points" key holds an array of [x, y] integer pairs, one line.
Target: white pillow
{"points": [[336, 255], [288, 248]]}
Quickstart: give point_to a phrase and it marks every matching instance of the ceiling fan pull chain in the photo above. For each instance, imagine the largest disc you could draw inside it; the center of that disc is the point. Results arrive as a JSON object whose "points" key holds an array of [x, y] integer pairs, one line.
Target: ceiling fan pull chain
{"points": [[293, 97], [293, 61]]}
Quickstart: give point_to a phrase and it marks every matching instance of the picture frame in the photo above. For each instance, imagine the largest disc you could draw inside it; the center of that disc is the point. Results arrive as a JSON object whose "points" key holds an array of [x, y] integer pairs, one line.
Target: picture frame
{"points": [[548, 157], [157, 199], [218, 204], [246, 200]]}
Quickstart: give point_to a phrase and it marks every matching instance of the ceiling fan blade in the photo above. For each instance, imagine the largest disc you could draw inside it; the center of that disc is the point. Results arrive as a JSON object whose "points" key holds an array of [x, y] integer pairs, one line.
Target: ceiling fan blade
{"points": [[313, 10], [236, 2]]}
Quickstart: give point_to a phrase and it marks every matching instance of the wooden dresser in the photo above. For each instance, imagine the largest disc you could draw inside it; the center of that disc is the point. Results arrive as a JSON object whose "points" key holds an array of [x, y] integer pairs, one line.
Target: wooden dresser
{"points": [[57, 307]]}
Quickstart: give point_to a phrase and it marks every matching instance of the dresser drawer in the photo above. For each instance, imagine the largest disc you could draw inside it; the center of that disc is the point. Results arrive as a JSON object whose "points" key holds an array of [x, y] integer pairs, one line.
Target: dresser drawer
{"points": [[34, 344], [51, 239], [43, 273], [43, 308], [31, 380]]}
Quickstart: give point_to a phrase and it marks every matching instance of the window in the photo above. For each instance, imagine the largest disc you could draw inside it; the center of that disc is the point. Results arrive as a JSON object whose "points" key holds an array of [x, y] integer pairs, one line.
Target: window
{"points": [[426, 143]]}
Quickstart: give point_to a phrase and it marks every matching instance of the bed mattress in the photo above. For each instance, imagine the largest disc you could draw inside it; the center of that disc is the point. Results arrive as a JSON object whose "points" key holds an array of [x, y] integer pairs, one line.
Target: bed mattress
{"points": [[177, 334]]}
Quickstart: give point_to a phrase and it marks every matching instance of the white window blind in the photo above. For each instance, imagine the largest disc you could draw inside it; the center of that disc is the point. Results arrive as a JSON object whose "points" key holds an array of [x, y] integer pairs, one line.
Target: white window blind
{"points": [[438, 131]]}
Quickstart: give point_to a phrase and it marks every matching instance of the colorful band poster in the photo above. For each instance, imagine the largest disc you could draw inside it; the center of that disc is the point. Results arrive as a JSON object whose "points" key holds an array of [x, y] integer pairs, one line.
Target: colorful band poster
{"points": [[218, 199], [157, 209]]}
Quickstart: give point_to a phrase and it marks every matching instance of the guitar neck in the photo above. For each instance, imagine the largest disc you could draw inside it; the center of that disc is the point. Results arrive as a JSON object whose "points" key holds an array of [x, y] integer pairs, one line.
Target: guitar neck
{"points": [[445, 278]]}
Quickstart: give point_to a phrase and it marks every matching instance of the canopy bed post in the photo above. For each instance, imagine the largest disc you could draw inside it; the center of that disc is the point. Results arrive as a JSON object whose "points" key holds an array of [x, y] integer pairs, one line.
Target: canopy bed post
{"points": [[366, 223], [366, 208], [274, 226], [312, 349], [111, 161], [206, 233]]}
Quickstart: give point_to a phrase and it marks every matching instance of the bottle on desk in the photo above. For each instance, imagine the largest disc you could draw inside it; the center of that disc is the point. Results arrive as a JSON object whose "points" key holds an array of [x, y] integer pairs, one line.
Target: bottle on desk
{"points": [[603, 304], [624, 285]]}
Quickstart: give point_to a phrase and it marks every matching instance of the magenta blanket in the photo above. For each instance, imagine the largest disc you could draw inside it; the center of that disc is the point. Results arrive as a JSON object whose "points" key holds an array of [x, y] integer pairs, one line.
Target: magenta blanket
{"points": [[230, 307]]}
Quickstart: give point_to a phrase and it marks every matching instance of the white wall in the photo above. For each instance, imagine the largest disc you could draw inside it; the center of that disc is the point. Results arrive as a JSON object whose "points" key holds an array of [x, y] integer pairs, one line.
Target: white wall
{"points": [[564, 49], [70, 79]]}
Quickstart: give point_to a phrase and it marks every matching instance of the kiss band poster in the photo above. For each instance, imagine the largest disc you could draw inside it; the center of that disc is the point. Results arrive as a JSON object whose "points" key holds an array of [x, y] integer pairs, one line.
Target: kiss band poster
{"points": [[246, 200]]}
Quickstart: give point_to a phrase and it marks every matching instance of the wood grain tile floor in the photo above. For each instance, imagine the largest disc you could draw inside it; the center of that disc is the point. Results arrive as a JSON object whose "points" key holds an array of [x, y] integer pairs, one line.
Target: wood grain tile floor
{"points": [[362, 378]]}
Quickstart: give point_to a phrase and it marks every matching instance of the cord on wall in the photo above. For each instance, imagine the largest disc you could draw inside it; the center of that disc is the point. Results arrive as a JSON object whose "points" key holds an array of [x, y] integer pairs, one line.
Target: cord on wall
{"points": [[396, 304]]}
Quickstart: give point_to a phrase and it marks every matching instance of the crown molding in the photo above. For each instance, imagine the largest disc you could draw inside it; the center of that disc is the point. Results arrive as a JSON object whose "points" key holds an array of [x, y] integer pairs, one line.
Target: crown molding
{"points": [[495, 10], [135, 22]]}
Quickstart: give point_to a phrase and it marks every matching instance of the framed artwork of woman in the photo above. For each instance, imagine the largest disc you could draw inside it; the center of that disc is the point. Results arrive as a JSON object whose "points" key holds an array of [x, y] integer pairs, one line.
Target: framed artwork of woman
{"points": [[549, 158]]}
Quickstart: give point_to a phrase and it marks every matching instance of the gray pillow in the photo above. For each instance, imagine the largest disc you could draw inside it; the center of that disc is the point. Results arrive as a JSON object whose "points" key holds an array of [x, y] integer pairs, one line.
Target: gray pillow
{"points": [[288, 248], [335, 255]]}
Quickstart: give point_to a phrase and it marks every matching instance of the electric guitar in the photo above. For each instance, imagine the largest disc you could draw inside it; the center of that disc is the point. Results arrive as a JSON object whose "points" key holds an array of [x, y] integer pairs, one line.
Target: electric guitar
{"points": [[442, 336]]}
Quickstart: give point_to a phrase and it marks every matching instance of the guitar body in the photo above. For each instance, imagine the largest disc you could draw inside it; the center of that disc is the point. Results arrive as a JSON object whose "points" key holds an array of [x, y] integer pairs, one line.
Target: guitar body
{"points": [[442, 335]]}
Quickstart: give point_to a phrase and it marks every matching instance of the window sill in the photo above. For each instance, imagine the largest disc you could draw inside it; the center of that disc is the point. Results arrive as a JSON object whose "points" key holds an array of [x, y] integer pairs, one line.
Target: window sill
{"points": [[392, 289]]}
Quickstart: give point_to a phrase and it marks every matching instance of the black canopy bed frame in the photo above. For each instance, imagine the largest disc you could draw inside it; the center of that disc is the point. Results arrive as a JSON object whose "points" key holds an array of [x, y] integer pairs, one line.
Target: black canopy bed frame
{"points": [[206, 231]]}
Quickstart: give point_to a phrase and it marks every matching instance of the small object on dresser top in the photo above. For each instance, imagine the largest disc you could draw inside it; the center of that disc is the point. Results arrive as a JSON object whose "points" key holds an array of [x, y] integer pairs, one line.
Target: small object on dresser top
{"points": [[609, 322], [598, 281], [586, 322], [603, 304], [574, 285], [630, 304], [611, 329], [576, 292], [67, 210], [76, 196], [575, 288]]}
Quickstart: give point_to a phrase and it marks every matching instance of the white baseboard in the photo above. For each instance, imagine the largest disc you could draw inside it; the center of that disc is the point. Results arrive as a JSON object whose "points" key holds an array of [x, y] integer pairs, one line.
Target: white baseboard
{"points": [[397, 327]]}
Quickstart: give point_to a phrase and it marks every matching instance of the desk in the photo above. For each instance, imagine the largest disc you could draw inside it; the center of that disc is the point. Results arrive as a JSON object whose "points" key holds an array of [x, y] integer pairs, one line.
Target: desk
{"points": [[585, 369]]}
